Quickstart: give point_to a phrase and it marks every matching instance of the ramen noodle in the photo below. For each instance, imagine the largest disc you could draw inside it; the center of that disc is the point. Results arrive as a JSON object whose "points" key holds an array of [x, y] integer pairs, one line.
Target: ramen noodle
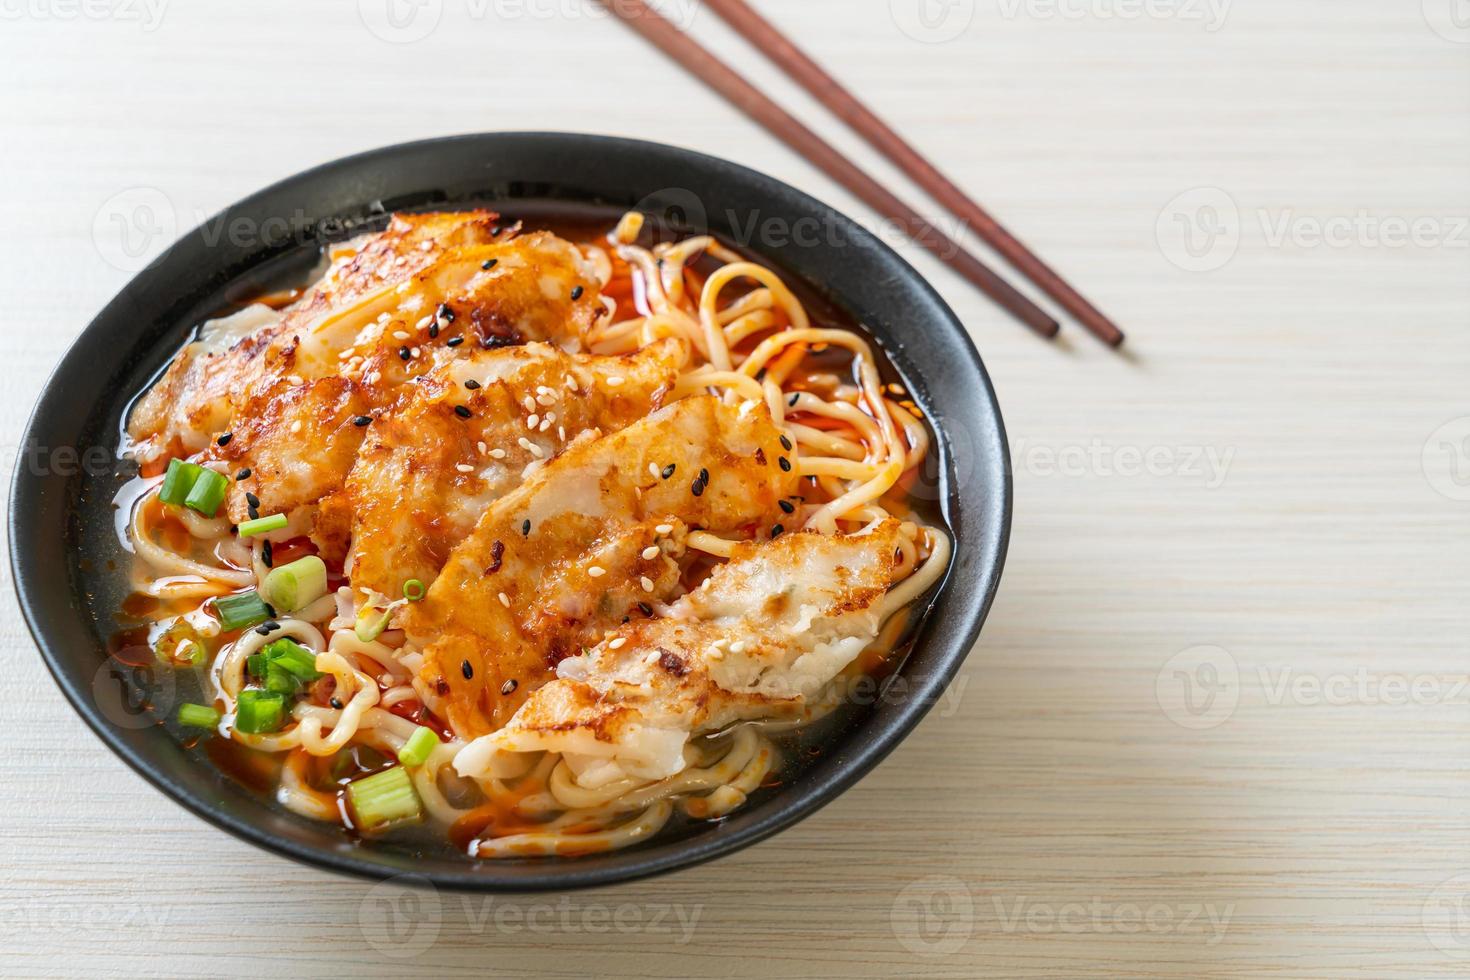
{"points": [[534, 541]]}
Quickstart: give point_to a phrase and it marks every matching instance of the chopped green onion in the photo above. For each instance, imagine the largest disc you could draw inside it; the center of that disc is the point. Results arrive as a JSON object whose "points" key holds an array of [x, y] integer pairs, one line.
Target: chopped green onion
{"points": [[238, 612], [279, 680], [259, 712], [414, 590], [178, 481], [262, 525], [207, 493], [384, 798], [293, 658], [198, 716], [295, 585], [369, 625], [179, 646], [255, 665], [420, 745]]}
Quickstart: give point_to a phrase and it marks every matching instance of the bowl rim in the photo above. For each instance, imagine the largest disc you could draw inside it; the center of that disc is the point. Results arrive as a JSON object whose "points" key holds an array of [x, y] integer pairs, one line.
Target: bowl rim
{"points": [[785, 808]]}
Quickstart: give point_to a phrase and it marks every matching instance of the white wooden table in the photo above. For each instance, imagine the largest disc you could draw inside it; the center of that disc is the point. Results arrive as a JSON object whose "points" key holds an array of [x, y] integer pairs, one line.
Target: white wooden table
{"points": [[1217, 723]]}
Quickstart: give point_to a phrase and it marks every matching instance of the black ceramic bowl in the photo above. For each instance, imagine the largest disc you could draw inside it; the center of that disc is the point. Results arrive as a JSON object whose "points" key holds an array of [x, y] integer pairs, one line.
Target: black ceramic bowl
{"points": [[61, 500]]}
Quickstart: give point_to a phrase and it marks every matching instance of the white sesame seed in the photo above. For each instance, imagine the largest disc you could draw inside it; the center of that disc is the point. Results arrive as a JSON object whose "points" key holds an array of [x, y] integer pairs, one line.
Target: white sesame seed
{"points": [[651, 552], [738, 646], [426, 246], [529, 402], [400, 335], [596, 571], [481, 447], [545, 424], [497, 454], [650, 656], [295, 379], [504, 600], [561, 433], [531, 447], [571, 382], [715, 653], [653, 468], [423, 323], [647, 583], [296, 426], [614, 381], [414, 352], [464, 467], [664, 529], [618, 643], [531, 422], [545, 400], [375, 377]]}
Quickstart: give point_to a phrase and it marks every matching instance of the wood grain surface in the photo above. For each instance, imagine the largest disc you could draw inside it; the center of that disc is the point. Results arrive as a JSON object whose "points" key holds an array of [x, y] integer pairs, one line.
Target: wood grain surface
{"points": [[1217, 725]]}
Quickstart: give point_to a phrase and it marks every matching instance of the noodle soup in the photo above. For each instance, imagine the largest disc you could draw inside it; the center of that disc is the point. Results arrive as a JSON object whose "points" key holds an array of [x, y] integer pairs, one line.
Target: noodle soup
{"points": [[524, 538]]}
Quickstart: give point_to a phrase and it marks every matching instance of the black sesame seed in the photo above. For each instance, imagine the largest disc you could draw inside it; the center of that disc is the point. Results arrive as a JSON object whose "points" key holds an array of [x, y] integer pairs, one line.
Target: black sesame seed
{"points": [[697, 488], [251, 500], [243, 474], [403, 353], [224, 440], [785, 464], [786, 444], [253, 513], [776, 531], [267, 554], [526, 527], [576, 293], [794, 399], [668, 471], [645, 609], [454, 341], [787, 506], [268, 627], [362, 420], [467, 670], [461, 411], [489, 263], [704, 477], [433, 330], [509, 686], [337, 703], [472, 384], [444, 312]]}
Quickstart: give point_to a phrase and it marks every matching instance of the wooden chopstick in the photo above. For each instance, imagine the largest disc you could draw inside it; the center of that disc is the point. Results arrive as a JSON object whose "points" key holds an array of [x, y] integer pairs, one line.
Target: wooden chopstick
{"points": [[755, 104], [827, 90]]}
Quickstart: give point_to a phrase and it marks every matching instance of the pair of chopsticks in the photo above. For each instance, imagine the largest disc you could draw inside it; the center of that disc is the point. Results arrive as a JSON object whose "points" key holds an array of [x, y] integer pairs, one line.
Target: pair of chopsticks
{"points": [[638, 15]]}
